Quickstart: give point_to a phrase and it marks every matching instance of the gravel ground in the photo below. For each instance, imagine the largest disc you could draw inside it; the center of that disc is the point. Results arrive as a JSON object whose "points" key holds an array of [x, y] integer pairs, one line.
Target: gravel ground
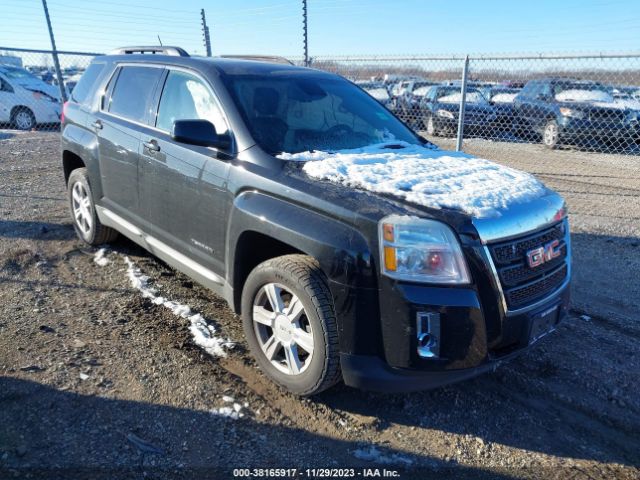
{"points": [[99, 382]]}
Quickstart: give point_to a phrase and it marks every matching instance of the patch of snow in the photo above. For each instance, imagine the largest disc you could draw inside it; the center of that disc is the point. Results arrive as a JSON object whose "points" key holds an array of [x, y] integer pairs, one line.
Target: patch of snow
{"points": [[100, 257], [204, 334], [471, 97], [84, 376], [234, 412], [586, 318], [576, 95], [424, 176], [227, 398], [372, 454]]}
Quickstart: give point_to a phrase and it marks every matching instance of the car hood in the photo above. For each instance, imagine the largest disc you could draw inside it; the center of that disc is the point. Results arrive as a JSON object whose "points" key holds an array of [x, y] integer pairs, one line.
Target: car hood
{"points": [[37, 86], [431, 181]]}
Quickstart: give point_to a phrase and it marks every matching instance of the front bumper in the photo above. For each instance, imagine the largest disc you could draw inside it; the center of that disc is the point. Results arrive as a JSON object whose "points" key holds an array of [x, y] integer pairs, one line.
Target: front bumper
{"points": [[581, 129], [466, 349]]}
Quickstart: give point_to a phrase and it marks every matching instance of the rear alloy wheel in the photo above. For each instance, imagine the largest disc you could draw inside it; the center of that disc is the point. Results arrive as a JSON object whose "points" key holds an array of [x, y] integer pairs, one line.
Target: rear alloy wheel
{"points": [[551, 134], [83, 211], [290, 324], [23, 119]]}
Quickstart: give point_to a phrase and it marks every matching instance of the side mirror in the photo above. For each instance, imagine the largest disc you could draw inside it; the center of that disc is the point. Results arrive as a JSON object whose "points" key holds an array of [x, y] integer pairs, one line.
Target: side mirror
{"points": [[199, 132]]}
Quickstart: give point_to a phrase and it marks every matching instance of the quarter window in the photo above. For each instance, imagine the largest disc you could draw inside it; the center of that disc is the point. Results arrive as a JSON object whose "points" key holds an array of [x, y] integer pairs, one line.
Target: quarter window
{"points": [[86, 83], [186, 97], [133, 89]]}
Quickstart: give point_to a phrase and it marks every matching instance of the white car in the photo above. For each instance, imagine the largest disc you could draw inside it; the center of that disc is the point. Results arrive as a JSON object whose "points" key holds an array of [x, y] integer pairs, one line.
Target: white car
{"points": [[25, 100]]}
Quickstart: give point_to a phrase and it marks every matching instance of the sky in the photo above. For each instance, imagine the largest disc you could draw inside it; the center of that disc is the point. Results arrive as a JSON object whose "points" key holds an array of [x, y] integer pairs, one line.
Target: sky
{"points": [[336, 27]]}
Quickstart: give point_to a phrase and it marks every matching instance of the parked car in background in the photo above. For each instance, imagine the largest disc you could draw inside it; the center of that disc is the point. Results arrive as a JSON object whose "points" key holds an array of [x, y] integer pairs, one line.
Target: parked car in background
{"points": [[441, 105], [562, 110], [501, 99], [627, 97], [377, 90], [25, 101], [407, 105]]}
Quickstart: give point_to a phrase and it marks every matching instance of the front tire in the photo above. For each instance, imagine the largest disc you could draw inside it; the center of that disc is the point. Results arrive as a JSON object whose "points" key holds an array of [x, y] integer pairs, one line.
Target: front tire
{"points": [[431, 127], [551, 135], [290, 324], [83, 211]]}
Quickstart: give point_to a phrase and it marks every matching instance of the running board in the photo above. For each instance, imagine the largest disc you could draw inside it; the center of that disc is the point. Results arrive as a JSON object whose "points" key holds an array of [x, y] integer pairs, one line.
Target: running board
{"points": [[161, 250]]}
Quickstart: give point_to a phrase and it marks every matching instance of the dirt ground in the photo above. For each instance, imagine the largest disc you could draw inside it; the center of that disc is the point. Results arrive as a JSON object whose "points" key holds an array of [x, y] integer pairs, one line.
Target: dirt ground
{"points": [[98, 382]]}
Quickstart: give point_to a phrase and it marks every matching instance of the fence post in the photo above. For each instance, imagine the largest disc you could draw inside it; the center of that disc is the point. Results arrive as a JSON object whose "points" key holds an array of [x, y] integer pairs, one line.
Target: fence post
{"points": [[205, 33], [54, 53], [463, 101], [305, 33]]}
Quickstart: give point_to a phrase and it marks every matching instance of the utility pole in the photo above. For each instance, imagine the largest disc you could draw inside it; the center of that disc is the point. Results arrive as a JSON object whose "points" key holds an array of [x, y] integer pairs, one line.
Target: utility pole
{"points": [[54, 52], [304, 33], [205, 33]]}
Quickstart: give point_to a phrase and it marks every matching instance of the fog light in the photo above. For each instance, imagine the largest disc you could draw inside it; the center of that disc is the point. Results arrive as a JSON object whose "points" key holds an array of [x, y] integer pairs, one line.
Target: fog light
{"points": [[428, 334]]}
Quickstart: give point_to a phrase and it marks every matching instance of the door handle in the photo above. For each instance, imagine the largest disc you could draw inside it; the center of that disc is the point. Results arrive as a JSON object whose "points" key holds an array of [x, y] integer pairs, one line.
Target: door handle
{"points": [[152, 145], [97, 125]]}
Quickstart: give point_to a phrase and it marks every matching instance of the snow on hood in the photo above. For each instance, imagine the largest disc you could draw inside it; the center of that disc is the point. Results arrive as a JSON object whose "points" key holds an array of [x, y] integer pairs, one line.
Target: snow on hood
{"points": [[576, 95], [504, 97], [424, 176], [471, 97]]}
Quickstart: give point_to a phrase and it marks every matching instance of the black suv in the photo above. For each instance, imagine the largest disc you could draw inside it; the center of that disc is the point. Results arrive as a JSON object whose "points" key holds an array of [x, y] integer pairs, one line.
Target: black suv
{"points": [[440, 109], [562, 110], [194, 159]]}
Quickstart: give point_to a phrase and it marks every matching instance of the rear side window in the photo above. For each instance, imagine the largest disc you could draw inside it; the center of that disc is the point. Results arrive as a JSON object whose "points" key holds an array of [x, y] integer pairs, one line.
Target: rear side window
{"points": [[133, 89], [82, 91]]}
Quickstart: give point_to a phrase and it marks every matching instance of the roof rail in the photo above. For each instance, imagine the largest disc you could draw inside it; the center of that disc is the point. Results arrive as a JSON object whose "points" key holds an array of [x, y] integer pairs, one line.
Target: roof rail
{"points": [[154, 50], [261, 58]]}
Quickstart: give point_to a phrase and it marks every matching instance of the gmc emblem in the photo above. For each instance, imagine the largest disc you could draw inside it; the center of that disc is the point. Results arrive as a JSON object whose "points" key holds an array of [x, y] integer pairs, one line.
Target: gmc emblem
{"points": [[546, 253]]}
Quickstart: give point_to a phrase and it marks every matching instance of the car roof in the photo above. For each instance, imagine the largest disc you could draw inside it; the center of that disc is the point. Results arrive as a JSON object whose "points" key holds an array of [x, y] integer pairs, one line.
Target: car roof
{"points": [[223, 65]]}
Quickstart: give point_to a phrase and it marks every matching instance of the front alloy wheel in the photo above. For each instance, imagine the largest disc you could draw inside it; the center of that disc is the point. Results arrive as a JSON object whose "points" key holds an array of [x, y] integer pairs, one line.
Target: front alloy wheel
{"points": [[290, 324], [282, 329], [551, 135]]}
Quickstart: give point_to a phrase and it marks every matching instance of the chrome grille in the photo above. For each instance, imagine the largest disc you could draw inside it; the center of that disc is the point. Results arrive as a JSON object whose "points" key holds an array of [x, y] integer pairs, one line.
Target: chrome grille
{"points": [[521, 284]]}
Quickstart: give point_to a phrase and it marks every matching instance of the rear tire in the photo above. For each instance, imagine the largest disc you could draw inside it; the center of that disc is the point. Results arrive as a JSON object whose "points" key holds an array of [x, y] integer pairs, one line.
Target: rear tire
{"points": [[290, 324], [23, 119], [83, 211]]}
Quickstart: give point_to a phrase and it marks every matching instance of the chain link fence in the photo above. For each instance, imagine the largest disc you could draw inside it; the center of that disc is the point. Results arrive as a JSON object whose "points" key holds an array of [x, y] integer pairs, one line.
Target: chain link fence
{"points": [[589, 102], [30, 95]]}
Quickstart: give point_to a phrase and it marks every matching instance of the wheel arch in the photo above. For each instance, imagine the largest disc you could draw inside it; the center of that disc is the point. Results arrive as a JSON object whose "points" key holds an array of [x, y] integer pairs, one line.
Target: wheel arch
{"points": [[279, 227], [70, 162]]}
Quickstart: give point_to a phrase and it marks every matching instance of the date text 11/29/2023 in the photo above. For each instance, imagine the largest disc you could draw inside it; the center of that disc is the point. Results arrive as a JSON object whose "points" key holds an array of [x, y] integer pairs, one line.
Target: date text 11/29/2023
{"points": [[315, 473]]}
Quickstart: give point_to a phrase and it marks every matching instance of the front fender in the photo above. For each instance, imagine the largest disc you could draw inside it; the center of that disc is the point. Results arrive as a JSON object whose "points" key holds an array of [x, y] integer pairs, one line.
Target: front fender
{"points": [[342, 251]]}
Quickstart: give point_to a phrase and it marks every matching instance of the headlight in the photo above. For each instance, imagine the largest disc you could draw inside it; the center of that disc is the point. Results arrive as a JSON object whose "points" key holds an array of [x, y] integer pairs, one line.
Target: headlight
{"points": [[420, 250], [570, 112], [445, 114]]}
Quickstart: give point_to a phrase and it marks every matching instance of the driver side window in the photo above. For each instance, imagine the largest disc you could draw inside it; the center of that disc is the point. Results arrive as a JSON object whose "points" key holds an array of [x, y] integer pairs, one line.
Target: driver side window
{"points": [[186, 97]]}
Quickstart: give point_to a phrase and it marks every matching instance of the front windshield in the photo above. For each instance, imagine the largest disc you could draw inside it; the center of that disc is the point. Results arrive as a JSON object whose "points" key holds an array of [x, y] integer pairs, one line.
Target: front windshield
{"points": [[582, 92], [294, 112], [453, 95]]}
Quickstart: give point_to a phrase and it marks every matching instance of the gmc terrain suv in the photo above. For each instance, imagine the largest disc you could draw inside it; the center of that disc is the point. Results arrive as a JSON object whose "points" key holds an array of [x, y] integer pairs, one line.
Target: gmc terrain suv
{"points": [[351, 248]]}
